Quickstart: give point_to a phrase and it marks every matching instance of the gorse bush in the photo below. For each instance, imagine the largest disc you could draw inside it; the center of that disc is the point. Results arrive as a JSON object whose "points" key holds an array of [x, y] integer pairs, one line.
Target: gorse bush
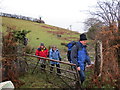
{"points": [[109, 69], [20, 35], [13, 62]]}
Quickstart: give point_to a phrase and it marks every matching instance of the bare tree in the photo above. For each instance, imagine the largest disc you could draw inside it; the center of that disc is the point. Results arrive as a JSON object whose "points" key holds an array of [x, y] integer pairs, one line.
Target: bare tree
{"points": [[93, 25], [90, 22], [109, 11]]}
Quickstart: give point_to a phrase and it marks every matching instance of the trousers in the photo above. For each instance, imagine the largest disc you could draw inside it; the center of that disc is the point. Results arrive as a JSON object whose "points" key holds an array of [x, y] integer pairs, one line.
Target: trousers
{"points": [[82, 76], [58, 66]]}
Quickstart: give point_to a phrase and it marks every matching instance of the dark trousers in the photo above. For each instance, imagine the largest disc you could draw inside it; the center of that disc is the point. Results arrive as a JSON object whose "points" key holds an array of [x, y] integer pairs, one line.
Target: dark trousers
{"points": [[43, 65], [68, 56], [58, 66], [82, 76]]}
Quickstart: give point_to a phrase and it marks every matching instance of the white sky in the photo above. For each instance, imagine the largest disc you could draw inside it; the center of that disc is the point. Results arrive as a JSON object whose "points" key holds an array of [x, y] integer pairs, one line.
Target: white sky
{"points": [[60, 13]]}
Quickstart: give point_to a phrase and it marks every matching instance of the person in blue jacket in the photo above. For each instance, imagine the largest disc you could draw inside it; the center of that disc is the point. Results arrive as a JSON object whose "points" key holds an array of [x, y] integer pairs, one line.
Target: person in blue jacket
{"points": [[80, 57], [55, 54]]}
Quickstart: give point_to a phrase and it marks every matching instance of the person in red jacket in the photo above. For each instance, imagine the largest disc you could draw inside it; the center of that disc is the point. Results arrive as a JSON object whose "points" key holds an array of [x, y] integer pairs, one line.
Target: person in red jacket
{"points": [[42, 51]]}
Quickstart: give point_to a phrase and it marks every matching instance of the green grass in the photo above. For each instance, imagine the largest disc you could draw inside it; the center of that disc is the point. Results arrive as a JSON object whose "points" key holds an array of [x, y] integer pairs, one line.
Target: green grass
{"points": [[42, 80], [35, 81], [39, 33]]}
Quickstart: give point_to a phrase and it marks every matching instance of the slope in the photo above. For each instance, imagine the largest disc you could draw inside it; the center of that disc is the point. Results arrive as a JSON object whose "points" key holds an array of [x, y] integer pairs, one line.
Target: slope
{"points": [[50, 35]]}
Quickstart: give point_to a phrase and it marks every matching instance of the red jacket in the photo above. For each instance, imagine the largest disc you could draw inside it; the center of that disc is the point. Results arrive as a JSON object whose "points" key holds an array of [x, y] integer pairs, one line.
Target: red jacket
{"points": [[42, 52]]}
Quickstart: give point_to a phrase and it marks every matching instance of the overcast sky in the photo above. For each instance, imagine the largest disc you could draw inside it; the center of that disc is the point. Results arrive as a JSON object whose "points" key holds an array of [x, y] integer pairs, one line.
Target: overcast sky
{"points": [[60, 13]]}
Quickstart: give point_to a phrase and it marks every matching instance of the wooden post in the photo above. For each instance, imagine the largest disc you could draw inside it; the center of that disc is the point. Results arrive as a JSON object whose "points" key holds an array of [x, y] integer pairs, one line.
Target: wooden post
{"points": [[98, 58], [1, 44]]}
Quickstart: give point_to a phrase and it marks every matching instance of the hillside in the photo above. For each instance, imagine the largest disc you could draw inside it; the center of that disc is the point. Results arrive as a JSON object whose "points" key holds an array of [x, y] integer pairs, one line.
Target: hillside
{"points": [[50, 35]]}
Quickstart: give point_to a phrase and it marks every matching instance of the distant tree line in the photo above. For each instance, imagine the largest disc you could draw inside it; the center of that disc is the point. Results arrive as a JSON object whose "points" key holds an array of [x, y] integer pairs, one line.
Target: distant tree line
{"points": [[22, 17]]}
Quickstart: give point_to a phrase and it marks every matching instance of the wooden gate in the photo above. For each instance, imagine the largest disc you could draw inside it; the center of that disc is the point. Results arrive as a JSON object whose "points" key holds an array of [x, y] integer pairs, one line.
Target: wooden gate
{"points": [[69, 75]]}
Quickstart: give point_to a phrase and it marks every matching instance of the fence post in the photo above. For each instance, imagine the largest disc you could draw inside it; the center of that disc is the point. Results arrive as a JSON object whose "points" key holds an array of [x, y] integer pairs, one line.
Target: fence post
{"points": [[98, 58]]}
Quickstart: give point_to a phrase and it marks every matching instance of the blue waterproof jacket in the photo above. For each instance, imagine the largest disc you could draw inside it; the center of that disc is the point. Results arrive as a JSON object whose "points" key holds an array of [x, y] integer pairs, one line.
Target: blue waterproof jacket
{"points": [[79, 55], [54, 54]]}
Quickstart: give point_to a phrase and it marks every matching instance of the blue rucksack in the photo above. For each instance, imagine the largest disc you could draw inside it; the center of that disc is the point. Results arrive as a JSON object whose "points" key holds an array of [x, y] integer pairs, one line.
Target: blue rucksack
{"points": [[70, 45]]}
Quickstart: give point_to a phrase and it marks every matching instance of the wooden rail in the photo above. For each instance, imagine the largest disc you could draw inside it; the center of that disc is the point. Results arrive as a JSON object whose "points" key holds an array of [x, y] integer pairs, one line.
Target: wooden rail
{"points": [[50, 59]]}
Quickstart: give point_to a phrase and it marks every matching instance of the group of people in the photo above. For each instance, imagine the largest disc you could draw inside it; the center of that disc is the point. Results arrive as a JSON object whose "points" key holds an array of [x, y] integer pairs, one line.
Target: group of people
{"points": [[77, 55], [53, 53]]}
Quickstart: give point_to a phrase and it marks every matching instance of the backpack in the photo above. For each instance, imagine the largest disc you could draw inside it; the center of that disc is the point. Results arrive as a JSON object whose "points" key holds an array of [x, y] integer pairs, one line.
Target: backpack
{"points": [[70, 45]]}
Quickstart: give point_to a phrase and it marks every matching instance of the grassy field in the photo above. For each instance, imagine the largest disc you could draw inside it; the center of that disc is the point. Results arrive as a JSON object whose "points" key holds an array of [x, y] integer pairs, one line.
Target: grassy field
{"points": [[41, 33]]}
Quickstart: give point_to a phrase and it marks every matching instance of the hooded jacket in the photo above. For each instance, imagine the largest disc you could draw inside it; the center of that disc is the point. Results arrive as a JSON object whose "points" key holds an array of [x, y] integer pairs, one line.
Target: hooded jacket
{"points": [[54, 54], [42, 52], [79, 55]]}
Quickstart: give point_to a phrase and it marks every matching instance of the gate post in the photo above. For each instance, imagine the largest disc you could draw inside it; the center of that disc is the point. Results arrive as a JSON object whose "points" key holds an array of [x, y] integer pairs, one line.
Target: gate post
{"points": [[98, 58]]}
